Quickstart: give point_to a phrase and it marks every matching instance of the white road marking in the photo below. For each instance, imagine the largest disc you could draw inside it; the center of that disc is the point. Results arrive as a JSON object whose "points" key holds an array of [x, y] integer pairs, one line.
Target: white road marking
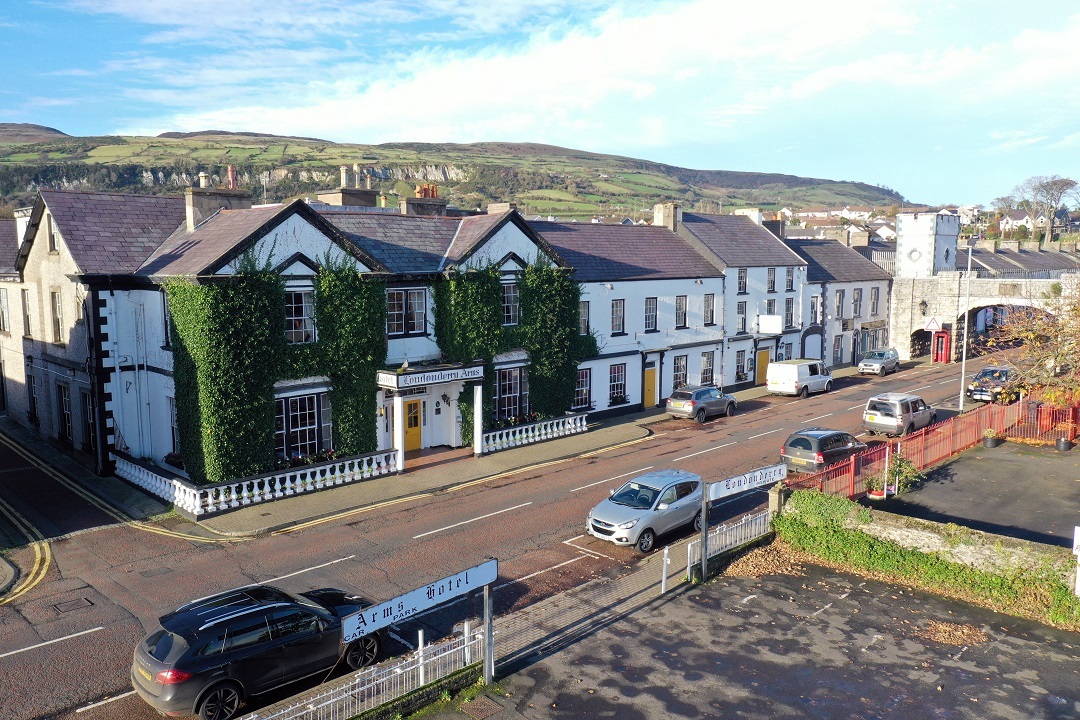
{"points": [[820, 417], [844, 595], [763, 434], [50, 642], [957, 655], [591, 553], [748, 598], [876, 638], [702, 452], [106, 701], [313, 567], [855, 407], [947, 382], [601, 482], [823, 609], [401, 640], [466, 522], [540, 572], [924, 387]]}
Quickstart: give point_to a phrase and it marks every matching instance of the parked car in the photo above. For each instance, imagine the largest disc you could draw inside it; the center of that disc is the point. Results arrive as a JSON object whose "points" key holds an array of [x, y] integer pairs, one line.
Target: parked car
{"points": [[798, 377], [812, 449], [700, 403], [208, 656], [897, 414], [879, 362], [991, 384], [646, 506]]}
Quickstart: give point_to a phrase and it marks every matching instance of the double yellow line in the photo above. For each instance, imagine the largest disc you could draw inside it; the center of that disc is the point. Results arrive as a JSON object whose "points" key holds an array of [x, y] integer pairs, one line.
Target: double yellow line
{"points": [[42, 553]]}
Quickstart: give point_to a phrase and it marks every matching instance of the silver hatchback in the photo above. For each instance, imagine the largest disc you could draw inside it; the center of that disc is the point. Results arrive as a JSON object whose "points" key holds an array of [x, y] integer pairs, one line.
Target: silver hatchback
{"points": [[700, 403], [879, 362]]}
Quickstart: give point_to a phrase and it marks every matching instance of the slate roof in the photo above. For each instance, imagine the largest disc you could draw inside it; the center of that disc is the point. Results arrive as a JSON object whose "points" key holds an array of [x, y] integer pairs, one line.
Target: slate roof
{"points": [[110, 232], [829, 261], [192, 253], [9, 246], [739, 242], [406, 244], [601, 252]]}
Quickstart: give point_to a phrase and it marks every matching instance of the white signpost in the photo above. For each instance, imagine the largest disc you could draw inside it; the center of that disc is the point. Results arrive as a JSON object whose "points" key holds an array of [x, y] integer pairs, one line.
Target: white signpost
{"points": [[416, 601], [749, 481]]}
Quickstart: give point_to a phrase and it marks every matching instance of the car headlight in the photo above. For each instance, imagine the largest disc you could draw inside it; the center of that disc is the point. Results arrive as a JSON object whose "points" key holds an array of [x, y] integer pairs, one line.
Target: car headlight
{"points": [[628, 525]]}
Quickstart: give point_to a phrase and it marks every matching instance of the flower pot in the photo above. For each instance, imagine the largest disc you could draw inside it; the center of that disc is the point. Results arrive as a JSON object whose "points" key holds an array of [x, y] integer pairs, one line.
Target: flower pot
{"points": [[875, 494], [1064, 444], [992, 442]]}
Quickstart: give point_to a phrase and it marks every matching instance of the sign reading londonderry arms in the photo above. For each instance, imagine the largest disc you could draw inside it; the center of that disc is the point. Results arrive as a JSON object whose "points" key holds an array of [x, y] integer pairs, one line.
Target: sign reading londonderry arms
{"points": [[749, 481], [412, 603]]}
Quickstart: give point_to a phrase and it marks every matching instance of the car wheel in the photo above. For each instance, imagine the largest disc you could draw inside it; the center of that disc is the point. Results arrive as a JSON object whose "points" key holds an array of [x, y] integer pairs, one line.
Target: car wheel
{"points": [[697, 522], [871, 433], [362, 652], [881, 371], [730, 409], [221, 703], [910, 429], [700, 416], [828, 386], [645, 541], [804, 393]]}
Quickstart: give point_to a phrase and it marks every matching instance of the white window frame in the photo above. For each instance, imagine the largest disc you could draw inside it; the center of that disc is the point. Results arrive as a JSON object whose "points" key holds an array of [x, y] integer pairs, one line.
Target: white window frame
{"points": [[617, 382], [707, 359], [300, 315], [5, 318], [511, 304], [789, 282], [770, 283], [411, 319], [618, 317], [680, 312], [583, 389], [318, 433], [583, 317], [789, 312], [57, 316], [875, 297], [740, 316], [742, 281], [856, 303], [709, 309], [650, 314], [679, 373]]}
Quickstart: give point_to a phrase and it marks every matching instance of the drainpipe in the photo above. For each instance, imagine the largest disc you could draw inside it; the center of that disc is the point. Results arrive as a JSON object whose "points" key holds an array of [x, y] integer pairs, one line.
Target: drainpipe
{"points": [[141, 390], [118, 402]]}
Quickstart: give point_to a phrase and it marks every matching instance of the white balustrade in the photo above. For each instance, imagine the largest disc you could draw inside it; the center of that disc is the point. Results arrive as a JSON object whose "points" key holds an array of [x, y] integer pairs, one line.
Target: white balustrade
{"points": [[204, 499], [518, 435]]}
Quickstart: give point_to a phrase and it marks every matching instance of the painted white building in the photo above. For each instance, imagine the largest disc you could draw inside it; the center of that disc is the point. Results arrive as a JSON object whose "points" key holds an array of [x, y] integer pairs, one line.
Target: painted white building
{"points": [[925, 243]]}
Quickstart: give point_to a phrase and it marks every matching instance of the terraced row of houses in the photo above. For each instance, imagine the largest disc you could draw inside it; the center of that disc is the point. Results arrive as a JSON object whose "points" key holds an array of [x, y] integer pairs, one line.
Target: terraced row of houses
{"points": [[89, 349]]}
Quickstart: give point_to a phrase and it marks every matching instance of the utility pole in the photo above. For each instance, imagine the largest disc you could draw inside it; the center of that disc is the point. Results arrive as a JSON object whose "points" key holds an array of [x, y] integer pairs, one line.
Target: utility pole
{"points": [[963, 350]]}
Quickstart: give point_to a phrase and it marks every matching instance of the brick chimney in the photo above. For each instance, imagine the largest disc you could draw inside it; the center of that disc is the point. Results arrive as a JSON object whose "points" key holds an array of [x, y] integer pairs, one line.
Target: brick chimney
{"points": [[667, 214], [500, 207], [204, 201]]}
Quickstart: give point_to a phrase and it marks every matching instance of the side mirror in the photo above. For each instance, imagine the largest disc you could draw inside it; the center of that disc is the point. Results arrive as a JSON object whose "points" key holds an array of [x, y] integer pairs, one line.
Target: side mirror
{"points": [[662, 506], [611, 491]]}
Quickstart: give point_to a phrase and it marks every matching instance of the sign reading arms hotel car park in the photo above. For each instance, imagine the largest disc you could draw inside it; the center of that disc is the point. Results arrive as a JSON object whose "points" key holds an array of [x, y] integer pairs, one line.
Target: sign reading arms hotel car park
{"points": [[416, 601]]}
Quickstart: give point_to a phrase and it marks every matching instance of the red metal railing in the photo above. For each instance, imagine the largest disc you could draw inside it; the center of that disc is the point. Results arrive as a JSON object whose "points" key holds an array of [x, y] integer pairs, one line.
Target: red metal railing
{"points": [[1026, 421]]}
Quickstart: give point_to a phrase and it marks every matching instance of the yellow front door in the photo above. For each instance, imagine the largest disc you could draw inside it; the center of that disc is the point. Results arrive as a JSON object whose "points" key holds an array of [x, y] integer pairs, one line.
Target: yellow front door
{"points": [[760, 366], [648, 395], [412, 425]]}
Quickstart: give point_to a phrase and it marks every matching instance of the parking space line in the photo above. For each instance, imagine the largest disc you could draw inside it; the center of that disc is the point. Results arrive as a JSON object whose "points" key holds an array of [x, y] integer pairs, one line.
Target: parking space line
{"points": [[587, 552], [763, 434], [106, 701], [466, 522], [50, 642], [401, 640], [703, 452], [601, 482], [540, 572]]}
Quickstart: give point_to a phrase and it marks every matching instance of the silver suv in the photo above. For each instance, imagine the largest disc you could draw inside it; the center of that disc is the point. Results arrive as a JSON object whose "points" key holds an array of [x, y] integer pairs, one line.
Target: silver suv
{"points": [[897, 414], [647, 506], [700, 403], [879, 362]]}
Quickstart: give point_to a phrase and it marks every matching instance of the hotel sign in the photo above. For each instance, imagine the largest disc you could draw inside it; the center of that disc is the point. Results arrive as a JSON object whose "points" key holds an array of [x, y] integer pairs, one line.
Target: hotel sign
{"points": [[749, 481], [398, 381]]}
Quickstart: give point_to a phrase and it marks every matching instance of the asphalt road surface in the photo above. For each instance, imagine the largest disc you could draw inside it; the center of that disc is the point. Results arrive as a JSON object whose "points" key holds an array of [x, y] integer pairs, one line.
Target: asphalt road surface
{"points": [[66, 643]]}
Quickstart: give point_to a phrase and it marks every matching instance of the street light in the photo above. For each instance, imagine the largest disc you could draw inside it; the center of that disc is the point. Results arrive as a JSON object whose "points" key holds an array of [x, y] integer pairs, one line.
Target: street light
{"points": [[963, 351]]}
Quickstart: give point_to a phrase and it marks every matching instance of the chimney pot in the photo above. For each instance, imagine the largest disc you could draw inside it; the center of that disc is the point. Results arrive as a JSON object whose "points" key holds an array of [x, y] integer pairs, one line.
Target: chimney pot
{"points": [[204, 180], [344, 176], [356, 175]]}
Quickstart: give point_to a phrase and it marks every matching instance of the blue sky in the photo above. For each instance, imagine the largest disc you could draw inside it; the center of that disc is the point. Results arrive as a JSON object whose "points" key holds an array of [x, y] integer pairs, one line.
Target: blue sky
{"points": [[942, 101]]}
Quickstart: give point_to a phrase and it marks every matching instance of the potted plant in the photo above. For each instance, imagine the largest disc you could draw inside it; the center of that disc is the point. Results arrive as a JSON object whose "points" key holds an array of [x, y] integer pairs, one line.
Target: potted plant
{"points": [[875, 486], [992, 438], [901, 476]]}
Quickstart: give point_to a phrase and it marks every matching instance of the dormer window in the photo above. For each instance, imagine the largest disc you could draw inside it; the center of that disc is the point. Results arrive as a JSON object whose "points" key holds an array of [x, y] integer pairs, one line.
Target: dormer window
{"points": [[406, 312], [299, 316]]}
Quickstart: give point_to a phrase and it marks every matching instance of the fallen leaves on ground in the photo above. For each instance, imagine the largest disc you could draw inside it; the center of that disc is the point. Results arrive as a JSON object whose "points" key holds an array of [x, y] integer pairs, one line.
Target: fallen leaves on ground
{"points": [[949, 633], [776, 558]]}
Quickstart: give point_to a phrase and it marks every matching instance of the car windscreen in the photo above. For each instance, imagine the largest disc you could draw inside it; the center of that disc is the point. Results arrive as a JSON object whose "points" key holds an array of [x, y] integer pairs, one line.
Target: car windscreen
{"points": [[874, 355], [992, 374], [635, 495]]}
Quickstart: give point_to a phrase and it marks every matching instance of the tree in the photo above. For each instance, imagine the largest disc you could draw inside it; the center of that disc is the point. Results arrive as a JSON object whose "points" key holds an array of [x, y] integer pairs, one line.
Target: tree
{"points": [[1041, 195], [1044, 345]]}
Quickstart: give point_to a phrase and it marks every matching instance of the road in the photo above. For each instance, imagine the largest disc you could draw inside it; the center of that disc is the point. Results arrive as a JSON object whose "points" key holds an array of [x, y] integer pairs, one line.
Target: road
{"points": [[66, 643]]}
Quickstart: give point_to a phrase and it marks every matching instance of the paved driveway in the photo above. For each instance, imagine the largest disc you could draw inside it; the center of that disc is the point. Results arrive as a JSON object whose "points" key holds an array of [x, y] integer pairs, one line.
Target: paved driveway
{"points": [[1020, 491], [824, 645]]}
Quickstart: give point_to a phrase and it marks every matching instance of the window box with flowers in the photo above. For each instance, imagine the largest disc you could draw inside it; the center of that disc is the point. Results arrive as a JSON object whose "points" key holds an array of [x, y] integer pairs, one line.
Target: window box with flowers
{"points": [[296, 459], [618, 400], [175, 459], [516, 420]]}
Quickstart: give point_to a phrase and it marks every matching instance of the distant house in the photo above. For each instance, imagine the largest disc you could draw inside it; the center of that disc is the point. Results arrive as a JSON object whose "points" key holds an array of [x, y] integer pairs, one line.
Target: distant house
{"points": [[857, 212]]}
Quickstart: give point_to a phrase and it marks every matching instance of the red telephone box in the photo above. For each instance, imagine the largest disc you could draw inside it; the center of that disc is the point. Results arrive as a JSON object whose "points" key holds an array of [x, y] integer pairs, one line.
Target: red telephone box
{"points": [[941, 347]]}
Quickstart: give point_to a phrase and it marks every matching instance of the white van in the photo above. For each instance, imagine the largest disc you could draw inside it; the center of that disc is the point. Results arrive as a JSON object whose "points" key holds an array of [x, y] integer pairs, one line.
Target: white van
{"points": [[797, 377]]}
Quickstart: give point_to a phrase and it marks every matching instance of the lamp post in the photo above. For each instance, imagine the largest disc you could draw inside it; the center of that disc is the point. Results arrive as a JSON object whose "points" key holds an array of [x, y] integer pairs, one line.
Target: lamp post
{"points": [[963, 350]]}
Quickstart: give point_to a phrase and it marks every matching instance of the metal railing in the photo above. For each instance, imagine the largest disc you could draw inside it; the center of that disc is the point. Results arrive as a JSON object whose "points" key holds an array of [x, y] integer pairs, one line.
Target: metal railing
{"points": [[204, 499], [375, 686], [729, 536], [518, 435]]}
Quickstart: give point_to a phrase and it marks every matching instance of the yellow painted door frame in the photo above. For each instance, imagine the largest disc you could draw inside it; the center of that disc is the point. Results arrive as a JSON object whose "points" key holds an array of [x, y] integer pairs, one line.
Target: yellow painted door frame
{"points": [[761, 364], [648, 393], [413, 433]]}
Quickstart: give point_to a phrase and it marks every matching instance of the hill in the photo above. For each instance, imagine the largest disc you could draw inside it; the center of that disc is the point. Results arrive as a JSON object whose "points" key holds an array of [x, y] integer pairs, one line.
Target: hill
{"points": [[542, 179]]}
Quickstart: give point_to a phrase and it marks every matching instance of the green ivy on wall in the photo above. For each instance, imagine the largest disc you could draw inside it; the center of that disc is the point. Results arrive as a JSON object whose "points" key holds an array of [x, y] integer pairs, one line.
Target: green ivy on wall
{"points": [[469, 326], [229, 349]]}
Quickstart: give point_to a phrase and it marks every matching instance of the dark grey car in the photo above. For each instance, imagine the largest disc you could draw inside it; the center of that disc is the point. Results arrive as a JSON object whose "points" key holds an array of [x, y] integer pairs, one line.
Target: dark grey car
{"points": [[208, 656], [700, 403], [813, 449]]}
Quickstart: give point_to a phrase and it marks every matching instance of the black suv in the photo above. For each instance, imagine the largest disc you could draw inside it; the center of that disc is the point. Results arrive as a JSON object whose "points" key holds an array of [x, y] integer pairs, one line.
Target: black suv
{"points": [[209, 655], [993, 384], [813, 449]]}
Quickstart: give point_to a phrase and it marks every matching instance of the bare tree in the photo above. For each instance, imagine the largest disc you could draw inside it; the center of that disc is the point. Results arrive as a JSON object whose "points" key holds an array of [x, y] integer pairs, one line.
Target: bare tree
{"points": [[1041, 196], [1043, 344]]}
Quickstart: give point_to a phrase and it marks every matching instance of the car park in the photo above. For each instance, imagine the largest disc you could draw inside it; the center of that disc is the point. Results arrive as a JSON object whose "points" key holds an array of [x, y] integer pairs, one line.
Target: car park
{"points": [[814, 448], [992, 384], [647, 506], [700, 403], [209, 656], [897, 414], [798, 377], [879, 362]]}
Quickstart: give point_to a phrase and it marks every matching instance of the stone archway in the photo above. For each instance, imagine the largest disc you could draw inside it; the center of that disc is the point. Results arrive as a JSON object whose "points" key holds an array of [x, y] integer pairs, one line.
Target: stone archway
{"points": [[920, 343]]}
